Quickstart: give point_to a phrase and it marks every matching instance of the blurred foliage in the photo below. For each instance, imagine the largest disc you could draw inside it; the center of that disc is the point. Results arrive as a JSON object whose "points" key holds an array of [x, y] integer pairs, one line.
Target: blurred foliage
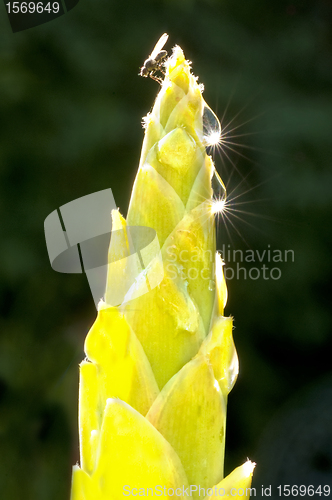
{"points": [[71, 105]]}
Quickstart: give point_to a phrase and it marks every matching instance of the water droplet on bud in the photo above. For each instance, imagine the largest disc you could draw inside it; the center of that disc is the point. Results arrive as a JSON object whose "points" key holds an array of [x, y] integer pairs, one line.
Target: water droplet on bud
{"points": [[219, 193], [218, 187], [212, 285], [211, 127]]}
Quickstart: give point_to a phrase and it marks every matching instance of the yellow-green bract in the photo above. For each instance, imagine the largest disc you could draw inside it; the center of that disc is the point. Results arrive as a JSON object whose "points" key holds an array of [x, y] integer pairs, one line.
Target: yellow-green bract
{"points": [[159, 367]]}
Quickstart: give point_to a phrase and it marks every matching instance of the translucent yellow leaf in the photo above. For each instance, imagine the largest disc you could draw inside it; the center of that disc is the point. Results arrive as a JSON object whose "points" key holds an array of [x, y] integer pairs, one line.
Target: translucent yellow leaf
{"points": [[236, 485], [188, 114], [201, 190], [132, 453], [122, 366], [124, 263], [179, 160], [190, 413], [221, 288], [220, 349], [154, 130], [154, 203], [168, 100], [168, 324], [191, 246], [81, 488]]}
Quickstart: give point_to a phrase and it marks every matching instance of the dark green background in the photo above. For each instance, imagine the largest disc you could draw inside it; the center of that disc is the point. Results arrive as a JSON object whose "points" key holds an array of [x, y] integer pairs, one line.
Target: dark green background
{"points": [[71, 105]]}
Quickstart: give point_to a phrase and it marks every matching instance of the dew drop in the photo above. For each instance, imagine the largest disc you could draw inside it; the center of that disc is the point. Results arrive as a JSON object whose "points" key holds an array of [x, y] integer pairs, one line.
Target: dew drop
{"points": [[219, 193], [212, 285], [211, 127], [218, 187]]}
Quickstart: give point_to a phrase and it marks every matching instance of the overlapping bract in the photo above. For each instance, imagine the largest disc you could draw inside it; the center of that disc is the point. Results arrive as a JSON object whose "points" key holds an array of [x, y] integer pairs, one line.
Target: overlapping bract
{"points": [[154, 386]]}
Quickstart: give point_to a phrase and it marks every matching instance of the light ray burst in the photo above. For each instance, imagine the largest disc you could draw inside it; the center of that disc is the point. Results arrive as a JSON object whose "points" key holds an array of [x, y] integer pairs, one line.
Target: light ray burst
{"points": [[231, 143]]}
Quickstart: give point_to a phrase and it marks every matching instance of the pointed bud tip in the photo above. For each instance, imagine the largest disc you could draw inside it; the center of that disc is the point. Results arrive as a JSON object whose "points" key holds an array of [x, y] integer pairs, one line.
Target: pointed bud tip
{"points": [[249, 467]]}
